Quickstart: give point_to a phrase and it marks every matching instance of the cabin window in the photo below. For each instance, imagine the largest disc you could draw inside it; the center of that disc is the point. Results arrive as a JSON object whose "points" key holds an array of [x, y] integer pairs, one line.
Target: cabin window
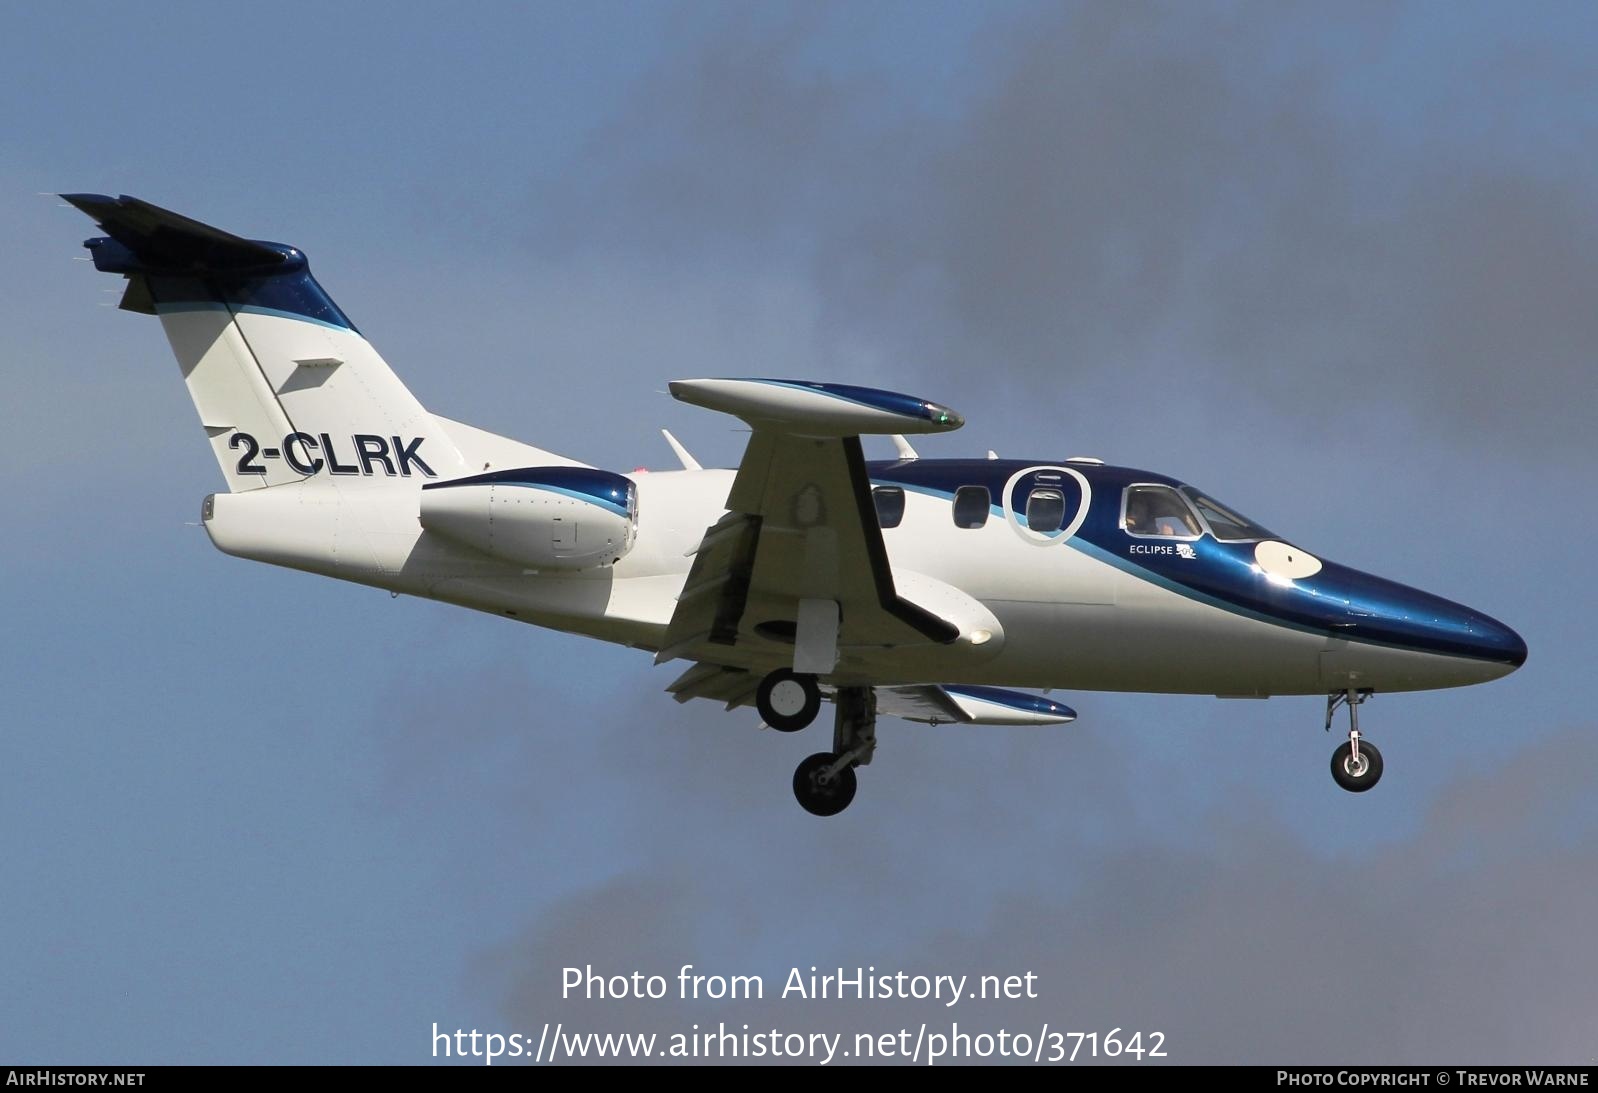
{"points": [[970, 506], [1045, 510], [890, 505], [1226, 524], [1159, 512]]}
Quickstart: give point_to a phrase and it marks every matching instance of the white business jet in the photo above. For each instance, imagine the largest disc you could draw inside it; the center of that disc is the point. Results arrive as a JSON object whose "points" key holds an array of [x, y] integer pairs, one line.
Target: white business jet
{"points": [[923, 589]]}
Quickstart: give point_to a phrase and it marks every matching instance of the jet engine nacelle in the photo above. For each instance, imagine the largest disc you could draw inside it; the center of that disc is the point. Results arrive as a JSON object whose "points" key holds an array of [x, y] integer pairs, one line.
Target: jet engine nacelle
{"points": [[537, 517]]}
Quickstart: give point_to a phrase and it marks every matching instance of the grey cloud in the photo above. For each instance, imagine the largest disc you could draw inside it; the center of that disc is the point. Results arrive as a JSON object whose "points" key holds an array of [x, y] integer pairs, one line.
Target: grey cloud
{"points": [[1130, 184], [1461, 942]]}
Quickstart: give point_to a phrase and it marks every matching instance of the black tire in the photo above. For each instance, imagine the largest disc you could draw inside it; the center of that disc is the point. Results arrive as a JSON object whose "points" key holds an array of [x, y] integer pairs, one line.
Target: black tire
{"points": [[1357, 781], [780, 686], [823, 800]]}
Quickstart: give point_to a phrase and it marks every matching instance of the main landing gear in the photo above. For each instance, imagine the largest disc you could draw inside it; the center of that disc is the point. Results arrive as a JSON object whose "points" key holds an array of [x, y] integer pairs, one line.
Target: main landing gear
{"points": [[1356, 765], [824, 784], [788, 701]]}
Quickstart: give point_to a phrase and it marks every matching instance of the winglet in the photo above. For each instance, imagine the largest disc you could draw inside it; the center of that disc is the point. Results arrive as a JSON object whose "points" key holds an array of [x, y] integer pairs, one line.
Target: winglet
{"points": [[689, 463]]}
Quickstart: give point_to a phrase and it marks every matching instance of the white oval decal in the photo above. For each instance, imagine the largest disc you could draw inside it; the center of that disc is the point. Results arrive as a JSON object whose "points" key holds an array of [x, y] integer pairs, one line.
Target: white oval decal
{"points": [[1285, 560], [1070, 529]]}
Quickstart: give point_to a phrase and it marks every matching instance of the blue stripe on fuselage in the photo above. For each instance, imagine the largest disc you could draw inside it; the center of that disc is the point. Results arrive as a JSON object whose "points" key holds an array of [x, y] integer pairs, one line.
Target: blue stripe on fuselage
{"points": [[605, 489], [1338, 602]]}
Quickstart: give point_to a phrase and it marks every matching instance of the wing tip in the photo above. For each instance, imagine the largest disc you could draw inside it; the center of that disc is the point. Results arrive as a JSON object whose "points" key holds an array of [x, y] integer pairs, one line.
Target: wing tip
{"points": [[814, 408]]}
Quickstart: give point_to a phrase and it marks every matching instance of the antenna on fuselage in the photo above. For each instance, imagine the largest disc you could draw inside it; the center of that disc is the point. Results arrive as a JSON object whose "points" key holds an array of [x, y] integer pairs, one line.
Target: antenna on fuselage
{"points": [[689, 463], [902, 446]]}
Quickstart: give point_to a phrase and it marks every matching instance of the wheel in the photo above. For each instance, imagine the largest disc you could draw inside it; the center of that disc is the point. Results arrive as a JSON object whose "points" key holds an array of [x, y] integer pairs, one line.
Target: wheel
{"points": [[1357, 779], [823, 798], [788, 701]]}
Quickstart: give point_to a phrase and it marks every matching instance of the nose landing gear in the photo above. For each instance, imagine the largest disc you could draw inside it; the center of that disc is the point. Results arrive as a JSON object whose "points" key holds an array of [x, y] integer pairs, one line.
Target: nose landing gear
{"points": [[1356, 765]]}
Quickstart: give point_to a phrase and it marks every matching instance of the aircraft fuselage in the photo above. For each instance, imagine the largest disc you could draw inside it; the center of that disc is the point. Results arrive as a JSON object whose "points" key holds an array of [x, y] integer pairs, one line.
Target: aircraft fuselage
{"points": [[1088, 605]]}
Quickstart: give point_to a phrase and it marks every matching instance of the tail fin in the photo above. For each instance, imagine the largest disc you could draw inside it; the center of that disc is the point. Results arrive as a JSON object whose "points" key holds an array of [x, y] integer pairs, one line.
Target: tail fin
{"points": [[286, 387]]}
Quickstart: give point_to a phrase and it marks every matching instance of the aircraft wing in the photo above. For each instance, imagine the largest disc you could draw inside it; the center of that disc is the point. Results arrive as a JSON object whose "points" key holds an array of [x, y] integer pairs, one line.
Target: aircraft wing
{"points": [[935, 704], [797, 568], [928, 703]]}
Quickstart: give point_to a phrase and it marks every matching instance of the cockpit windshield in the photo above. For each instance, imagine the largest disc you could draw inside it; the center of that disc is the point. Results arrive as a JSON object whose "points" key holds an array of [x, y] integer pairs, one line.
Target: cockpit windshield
{"points": [[1227, 525]]}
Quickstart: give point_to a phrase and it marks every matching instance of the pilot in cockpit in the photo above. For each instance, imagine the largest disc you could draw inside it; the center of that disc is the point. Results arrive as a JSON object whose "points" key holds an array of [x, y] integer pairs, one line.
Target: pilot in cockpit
{"points": [[1152, 512], [1137, 516]]}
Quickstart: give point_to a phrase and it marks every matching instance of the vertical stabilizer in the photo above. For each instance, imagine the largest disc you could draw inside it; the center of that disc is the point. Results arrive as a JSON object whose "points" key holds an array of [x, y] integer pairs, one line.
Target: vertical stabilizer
{"points": [[285, 385]]}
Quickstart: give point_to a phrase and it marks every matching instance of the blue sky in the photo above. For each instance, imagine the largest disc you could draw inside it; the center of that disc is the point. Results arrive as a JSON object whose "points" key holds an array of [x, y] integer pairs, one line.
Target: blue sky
{"points": [[1334, 265]]}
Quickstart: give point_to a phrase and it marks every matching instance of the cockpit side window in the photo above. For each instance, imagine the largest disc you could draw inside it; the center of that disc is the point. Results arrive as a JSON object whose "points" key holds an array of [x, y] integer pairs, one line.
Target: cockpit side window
{"points": [[1158, 512], [1227, 525]]}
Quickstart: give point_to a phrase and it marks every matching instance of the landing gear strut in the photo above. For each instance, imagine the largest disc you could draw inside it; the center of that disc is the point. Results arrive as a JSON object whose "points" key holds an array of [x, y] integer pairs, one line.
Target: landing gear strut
{"points": [[1356, 765], [825, 783], [788, 701]]}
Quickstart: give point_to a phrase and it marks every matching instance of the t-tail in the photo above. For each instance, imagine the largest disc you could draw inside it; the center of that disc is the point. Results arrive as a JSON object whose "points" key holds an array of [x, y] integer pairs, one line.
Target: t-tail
{"points": [[285, 385]]}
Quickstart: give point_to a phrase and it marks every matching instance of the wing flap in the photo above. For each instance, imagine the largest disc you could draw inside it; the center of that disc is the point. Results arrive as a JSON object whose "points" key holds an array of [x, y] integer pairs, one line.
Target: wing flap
{"points": [[713, 599], [927, 703]]}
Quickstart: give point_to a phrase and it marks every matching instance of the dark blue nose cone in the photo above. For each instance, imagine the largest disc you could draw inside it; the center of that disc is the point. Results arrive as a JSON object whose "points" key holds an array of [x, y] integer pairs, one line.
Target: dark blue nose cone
{"points": [[1496, 642], [1370, 608]]}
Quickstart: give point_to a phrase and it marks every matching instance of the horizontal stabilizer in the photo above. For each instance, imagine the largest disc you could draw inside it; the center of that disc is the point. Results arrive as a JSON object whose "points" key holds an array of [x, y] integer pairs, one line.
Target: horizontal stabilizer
{"points": [[149, 238]]}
